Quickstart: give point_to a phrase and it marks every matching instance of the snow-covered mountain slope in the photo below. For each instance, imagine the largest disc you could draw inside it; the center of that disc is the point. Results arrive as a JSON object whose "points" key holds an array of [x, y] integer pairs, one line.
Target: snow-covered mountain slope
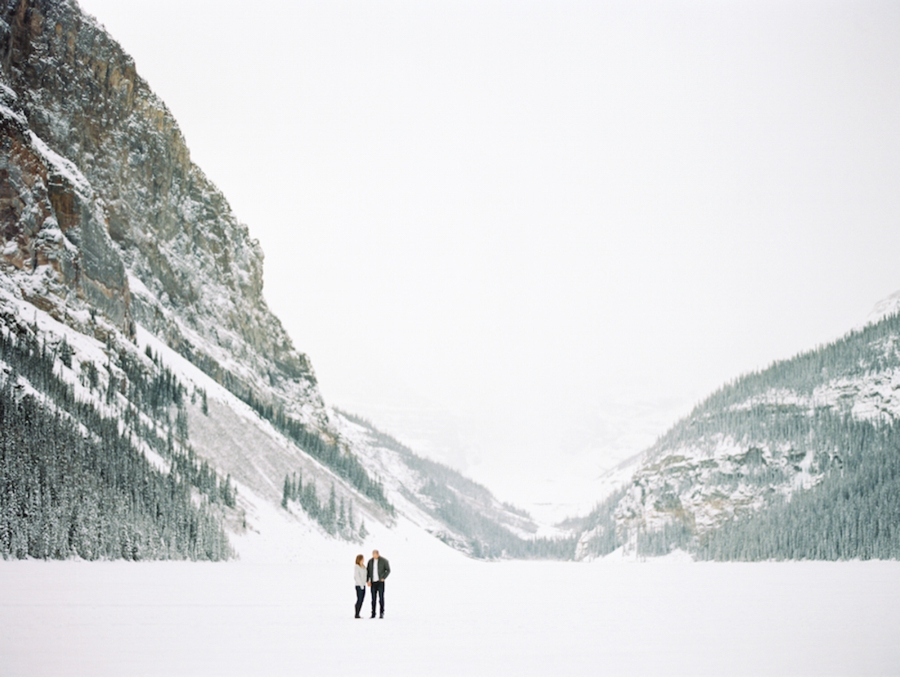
{"points": [[430, 503], [205, 424], [798, 460], [127, 266]]}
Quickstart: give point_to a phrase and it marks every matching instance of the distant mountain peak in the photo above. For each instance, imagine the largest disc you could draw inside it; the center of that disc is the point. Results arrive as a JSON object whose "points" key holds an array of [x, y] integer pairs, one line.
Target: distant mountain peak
{"points": [[883, 308]]}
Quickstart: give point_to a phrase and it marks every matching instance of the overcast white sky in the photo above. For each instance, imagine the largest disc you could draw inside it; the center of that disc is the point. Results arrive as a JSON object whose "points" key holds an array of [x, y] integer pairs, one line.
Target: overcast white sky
{"points": [[541, 230]]}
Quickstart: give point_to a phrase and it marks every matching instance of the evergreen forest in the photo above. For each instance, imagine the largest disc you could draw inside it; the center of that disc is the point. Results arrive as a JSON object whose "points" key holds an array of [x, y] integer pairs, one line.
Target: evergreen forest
{"points": [[73, 481]]}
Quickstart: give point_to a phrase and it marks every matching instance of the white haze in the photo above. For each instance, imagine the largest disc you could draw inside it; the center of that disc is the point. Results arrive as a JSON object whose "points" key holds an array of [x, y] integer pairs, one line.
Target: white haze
{"points": [[526, 236]]}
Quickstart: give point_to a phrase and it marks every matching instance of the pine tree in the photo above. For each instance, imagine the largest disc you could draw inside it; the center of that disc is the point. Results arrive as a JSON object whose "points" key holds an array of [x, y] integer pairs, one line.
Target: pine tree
{"points": [[297, 486], [286, 493], [66, 353], [329, 519], [310, 500]]}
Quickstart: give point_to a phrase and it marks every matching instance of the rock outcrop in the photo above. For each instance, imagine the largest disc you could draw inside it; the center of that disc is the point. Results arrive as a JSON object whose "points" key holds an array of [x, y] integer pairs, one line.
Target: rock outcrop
{"points": [[56, 247]]}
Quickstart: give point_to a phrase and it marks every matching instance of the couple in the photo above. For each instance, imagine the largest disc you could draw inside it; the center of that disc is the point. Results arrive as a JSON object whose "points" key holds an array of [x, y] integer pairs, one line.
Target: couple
{"points": [[373, 575]]}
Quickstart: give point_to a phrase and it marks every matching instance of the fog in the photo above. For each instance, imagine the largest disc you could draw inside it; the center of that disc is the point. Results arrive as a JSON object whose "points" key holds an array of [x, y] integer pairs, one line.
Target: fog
{"points": [[525, 237]]}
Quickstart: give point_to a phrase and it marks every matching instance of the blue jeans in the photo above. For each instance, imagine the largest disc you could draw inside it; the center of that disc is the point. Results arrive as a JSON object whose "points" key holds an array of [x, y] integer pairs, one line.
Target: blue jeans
{"points": [[360, 596]]}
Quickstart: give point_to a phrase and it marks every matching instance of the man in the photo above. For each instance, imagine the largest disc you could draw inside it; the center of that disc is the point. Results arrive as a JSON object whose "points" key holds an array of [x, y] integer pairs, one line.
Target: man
{"points": [[377, 571]]}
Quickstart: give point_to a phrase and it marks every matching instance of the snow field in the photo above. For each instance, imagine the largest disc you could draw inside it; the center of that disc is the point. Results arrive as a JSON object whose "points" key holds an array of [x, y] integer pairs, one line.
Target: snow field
{"points": [[450, 617]]}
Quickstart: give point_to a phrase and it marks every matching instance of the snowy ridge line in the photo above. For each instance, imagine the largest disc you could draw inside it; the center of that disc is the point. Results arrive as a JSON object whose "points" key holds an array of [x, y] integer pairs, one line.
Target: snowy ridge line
{"points": [[871, 397]]}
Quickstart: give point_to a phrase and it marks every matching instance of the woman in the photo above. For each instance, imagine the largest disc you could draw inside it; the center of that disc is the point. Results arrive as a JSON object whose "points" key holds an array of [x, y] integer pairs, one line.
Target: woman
{"points": [[359, 576]]}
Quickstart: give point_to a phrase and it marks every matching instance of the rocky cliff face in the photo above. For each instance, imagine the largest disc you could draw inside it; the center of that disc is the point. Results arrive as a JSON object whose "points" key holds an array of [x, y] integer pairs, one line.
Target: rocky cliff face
{"points": [[142, 235], [55, 242]]}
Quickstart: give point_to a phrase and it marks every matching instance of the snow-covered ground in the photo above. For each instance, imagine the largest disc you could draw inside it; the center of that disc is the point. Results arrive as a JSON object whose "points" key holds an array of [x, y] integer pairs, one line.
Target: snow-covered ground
{"points": [[448, 615]]}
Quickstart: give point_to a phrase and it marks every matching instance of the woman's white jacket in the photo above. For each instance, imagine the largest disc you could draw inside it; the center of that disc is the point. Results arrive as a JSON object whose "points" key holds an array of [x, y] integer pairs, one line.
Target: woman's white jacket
{"points": [[359, 575]]}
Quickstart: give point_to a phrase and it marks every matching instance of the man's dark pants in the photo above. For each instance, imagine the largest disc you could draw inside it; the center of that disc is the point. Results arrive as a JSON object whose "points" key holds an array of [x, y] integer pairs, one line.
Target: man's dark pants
{"points": [[377, 591]]}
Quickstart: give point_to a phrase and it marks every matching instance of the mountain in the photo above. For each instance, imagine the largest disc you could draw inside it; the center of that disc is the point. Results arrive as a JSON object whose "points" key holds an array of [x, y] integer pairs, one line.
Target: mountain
{"points": [[798, 461], [141, 366], [153, 407]]}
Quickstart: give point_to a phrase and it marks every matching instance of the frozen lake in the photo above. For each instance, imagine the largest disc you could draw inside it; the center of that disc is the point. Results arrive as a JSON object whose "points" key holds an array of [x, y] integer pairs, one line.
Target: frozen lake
{"points": [[451, 617]]}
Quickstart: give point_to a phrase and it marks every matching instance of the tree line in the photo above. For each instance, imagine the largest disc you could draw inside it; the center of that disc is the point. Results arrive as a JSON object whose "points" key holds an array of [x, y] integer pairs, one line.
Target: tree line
{"points": [[329, 453], [336, 517]]}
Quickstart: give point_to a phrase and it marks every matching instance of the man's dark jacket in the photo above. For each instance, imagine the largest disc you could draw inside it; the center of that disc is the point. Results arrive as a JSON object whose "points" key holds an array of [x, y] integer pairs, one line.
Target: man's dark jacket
{"points": [[384, 568]]}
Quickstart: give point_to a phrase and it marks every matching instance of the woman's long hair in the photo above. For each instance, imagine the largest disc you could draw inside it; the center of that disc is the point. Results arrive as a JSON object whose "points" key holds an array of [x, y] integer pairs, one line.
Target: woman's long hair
{"points": [[359, 560]]}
